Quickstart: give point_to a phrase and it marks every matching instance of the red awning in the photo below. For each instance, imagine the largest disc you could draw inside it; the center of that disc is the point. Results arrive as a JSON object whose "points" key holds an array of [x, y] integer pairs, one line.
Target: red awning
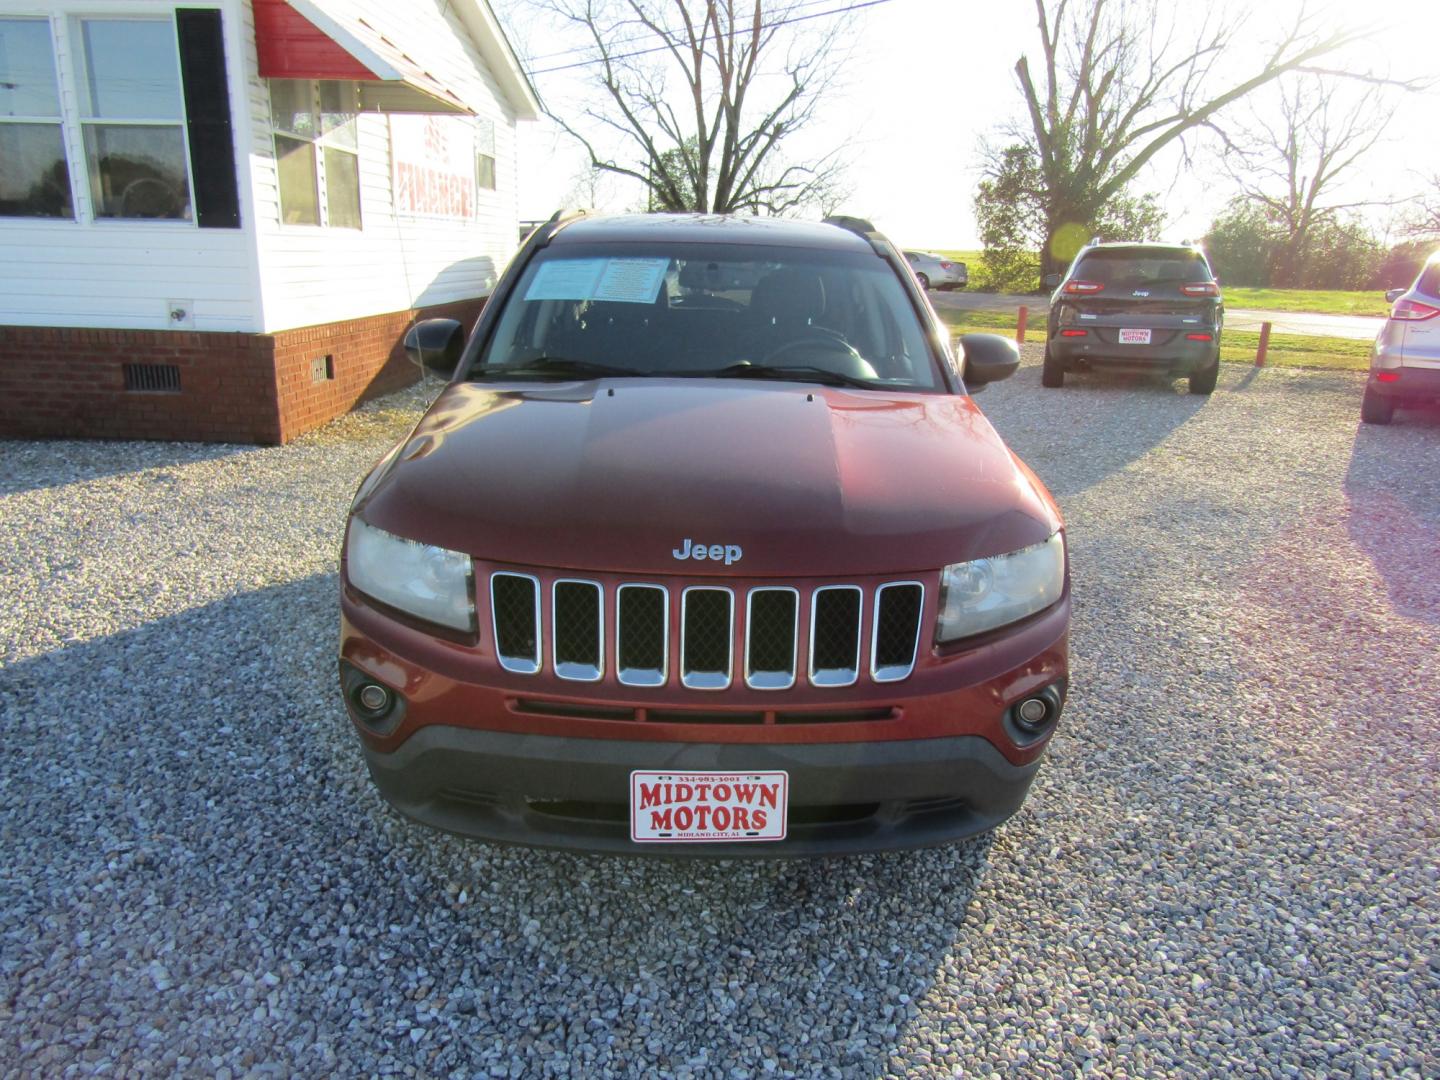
{"points": [[316, 39]]}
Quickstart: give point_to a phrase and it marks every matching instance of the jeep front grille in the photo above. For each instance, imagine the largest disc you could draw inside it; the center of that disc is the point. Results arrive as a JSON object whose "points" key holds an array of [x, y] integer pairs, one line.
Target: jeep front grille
{"points": [[773, 634]]}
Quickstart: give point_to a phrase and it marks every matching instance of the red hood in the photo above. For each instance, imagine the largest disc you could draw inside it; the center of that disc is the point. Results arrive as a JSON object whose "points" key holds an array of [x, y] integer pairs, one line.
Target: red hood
{"points": [[613, 475]]}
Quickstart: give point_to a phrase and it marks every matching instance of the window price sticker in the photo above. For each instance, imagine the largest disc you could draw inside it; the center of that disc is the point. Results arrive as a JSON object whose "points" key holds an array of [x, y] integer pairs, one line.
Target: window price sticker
{"points": [[625, 281]]}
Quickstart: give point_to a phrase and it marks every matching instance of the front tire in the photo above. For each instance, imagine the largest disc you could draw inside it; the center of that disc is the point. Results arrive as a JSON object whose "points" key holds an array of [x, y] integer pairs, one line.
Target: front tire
{"points": [[1052, 373], [1203, 381], [1375, 409]]}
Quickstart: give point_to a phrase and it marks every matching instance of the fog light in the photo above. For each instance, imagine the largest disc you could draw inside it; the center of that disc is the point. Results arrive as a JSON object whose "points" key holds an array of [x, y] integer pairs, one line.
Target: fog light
{"points": [[374, 698], [1032, 713]]}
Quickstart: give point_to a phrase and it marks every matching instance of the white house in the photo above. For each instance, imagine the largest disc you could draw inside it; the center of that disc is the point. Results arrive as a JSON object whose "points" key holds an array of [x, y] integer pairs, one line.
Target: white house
{"points": [[218, 219]]}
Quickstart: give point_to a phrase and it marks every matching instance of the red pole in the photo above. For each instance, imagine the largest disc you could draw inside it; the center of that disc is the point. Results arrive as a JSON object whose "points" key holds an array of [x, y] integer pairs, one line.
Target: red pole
{"points": [[1020, 328], [1264, 345]]}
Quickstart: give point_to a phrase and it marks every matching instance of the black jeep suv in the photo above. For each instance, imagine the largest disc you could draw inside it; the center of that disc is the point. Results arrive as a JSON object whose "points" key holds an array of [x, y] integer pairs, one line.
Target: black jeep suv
{"points": [[1138, 307]]}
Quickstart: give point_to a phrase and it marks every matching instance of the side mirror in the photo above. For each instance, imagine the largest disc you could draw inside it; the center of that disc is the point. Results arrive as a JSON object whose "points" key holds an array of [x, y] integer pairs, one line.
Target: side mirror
{"points": [[1050, 281], [435, 344], [988, 358], [1393, 294]]}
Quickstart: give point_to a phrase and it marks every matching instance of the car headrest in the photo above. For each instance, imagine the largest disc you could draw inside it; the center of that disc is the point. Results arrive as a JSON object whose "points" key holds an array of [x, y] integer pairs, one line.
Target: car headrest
{"points": [[789, 295]]}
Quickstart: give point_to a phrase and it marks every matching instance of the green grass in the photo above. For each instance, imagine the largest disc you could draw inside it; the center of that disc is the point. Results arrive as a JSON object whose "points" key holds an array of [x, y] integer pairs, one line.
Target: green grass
{"points": [[971, 259], [992, 322], [1236, 346], [1296, 350], [1318, 301]]}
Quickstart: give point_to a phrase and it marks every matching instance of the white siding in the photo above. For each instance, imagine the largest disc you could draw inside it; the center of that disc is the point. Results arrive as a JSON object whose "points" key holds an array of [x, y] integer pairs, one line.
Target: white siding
{"points": [[115, 274], [313, 275]]}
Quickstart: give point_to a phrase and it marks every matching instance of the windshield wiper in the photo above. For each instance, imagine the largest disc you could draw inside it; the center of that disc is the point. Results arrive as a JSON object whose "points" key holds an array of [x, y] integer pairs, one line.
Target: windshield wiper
{"points": [[554, 367], [790, 372]]}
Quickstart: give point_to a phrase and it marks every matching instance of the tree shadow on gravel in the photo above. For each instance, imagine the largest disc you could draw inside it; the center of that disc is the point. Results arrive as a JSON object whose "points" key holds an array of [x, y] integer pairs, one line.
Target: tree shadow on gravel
{"points": [[198, 870], [1394, 510], [31, 466], [1096, 424]]}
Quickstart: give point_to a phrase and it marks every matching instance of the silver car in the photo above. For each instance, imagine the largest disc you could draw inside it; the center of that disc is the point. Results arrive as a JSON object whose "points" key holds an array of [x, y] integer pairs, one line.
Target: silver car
{"points": [[1405, 360], [937, 272]]}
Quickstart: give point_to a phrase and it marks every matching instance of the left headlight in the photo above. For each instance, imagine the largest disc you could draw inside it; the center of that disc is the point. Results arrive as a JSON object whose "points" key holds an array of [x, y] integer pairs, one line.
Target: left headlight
{"points": [[985, 593], [429, 582]]}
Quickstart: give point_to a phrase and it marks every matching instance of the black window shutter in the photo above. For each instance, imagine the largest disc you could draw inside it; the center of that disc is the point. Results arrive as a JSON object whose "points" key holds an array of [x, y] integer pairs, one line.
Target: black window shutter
{"points": [[207, 118]]}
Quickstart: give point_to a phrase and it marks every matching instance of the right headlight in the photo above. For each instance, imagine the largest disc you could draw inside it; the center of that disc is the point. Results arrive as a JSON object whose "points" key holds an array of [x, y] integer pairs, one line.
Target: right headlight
{"points": [[431, 583], [985, 593]]}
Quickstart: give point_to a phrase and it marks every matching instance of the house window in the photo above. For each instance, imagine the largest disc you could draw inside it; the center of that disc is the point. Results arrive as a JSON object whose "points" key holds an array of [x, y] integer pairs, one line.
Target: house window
{"points": [[34, 176], [485, 154], [132, 118], [317, 152]]}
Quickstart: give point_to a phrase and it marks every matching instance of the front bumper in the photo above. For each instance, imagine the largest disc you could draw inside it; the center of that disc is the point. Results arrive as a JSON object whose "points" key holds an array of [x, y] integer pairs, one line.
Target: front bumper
{"points": [[572, 793], [1176, 356], [514, 758]]}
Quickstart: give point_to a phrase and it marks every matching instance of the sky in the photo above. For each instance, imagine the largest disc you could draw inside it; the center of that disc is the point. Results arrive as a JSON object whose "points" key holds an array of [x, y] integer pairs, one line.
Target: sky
{"points": [[925, 81]]}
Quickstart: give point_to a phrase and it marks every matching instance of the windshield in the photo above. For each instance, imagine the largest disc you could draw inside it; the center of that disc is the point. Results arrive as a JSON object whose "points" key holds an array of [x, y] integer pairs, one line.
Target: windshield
{"points": [[1141, 266], [713, 309]]}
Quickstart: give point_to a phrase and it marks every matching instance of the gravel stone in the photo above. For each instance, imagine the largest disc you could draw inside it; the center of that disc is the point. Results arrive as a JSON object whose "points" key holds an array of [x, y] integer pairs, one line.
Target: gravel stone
{"points": [[1228, 864]]}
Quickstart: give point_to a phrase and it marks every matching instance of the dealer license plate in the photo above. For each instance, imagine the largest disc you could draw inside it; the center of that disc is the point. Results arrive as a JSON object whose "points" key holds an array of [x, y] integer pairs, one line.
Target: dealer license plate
{"points": [[1134, 337], [692, 807]]}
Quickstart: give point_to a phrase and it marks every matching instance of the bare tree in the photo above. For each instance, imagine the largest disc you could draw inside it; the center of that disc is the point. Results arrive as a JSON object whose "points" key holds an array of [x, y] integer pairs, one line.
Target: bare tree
{"points": [[696, 98], [1426, 223], [1119, 81], [1290, 166], [590, 189]]}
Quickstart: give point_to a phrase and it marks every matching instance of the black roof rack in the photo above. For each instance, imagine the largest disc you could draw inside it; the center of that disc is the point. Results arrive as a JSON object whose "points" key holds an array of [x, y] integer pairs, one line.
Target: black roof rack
{"points": [[861, 228], [557, 221]]}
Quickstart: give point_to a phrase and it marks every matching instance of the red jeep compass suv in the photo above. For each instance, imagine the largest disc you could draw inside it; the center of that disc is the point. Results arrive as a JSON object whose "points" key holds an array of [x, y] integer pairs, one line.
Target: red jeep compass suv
{"points": [[705, 549]]}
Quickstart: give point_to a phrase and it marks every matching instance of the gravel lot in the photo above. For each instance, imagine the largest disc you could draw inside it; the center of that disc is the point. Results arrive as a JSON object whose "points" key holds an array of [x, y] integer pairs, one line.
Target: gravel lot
{"points": [[1228, 865]]}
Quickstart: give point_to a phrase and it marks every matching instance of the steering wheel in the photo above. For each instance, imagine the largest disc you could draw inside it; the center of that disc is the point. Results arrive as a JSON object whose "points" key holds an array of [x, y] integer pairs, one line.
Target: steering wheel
{"points": [[827, 341]]}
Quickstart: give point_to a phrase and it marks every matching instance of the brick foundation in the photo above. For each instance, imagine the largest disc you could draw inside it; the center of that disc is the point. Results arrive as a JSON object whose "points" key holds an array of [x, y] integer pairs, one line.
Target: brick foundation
{"points": [[245, 388]]}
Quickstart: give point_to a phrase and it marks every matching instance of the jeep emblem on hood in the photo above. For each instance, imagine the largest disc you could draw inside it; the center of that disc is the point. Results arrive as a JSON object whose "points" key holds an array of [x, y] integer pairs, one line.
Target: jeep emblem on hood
{"points": [[727, 553]]}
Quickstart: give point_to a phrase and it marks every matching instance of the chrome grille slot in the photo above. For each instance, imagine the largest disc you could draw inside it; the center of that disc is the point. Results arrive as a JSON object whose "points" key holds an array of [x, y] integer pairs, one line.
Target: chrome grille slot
{"points": [[707, 630], [835, 635], [772, 619], [895, 636], [642, 635], [577, 630], [515, 620]]}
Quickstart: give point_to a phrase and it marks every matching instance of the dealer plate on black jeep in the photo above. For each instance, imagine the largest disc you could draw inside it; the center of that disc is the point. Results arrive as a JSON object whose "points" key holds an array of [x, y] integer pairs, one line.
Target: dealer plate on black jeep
{"points": [[1134, 337], [692, 807]]}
